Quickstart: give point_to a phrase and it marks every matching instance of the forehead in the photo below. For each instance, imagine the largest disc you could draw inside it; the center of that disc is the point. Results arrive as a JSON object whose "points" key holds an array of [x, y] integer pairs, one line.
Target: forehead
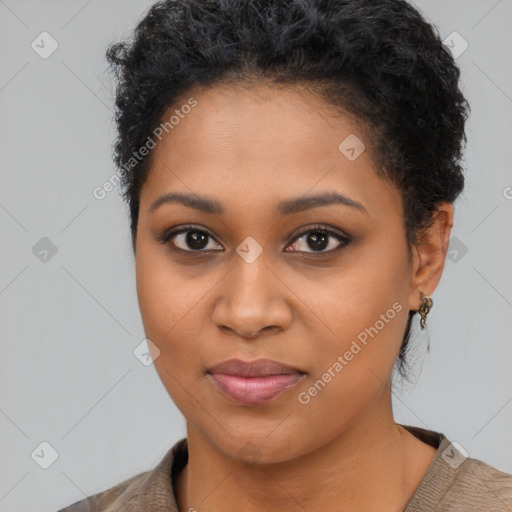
{"points": [[261, 145]]}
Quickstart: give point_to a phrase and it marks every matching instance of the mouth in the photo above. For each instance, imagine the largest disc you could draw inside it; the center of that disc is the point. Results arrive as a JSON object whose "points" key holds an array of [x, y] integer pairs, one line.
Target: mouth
{"points": [[254, 382]]}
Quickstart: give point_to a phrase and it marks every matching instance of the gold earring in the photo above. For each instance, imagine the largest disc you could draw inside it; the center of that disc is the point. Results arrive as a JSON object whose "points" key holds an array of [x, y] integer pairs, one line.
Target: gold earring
{"points": [[426, 306]]}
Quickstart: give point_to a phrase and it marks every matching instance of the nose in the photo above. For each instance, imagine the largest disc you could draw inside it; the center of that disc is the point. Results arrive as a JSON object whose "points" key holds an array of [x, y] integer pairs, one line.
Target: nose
{"points": [[251, 301]]}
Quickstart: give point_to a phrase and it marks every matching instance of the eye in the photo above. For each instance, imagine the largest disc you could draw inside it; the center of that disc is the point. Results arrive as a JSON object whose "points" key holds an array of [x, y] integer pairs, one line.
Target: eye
{"points": [[319, 238], [190, 239]]}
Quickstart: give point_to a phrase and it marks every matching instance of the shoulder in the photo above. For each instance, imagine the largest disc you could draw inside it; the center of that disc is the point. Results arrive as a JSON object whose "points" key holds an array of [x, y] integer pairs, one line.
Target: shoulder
{"points": [[142, 491], [125, 491], [455, 482], [479, 486]]}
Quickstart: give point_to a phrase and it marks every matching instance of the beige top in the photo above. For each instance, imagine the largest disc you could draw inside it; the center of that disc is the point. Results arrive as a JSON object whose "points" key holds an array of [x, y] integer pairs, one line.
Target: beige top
{"points": [[452, 483]]}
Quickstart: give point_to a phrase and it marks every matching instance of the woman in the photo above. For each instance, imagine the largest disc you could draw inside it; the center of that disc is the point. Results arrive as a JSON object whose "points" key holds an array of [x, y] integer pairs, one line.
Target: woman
{"points": [[291, 168]]}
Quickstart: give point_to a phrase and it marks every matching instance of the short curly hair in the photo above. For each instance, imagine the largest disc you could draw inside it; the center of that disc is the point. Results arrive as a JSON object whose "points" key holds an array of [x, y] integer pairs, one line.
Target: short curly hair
{"points": [[377, 60]]}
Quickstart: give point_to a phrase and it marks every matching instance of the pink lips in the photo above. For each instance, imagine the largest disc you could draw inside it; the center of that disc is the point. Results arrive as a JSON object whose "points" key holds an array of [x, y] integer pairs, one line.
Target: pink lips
{"points": [[254, 382]]}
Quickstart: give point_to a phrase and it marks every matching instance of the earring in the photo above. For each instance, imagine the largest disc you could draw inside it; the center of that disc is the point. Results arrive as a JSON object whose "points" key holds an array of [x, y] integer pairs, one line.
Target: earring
{"points": [[426, 306]]}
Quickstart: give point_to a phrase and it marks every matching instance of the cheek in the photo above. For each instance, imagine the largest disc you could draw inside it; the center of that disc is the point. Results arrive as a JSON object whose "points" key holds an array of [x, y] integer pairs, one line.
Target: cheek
{"points": [[173, 315], [353, 363], [364, 298], [163, 292]]}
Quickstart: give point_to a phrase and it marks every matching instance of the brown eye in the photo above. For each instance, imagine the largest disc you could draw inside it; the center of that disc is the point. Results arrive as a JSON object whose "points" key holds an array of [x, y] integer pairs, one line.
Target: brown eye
{"points": [[319, 240], [190, 239]]}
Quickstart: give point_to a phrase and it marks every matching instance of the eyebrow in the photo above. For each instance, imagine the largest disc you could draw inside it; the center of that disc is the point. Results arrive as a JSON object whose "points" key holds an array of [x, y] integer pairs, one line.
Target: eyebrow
{"points": [[287, 207]]}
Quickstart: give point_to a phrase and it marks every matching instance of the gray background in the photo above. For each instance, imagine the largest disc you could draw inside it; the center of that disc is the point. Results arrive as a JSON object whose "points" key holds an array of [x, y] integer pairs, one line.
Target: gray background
{"points": [[68, 375]]}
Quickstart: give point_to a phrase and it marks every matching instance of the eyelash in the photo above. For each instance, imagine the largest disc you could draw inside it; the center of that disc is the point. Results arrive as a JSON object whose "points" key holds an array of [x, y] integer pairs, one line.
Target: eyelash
{"points": [[166, 237]]}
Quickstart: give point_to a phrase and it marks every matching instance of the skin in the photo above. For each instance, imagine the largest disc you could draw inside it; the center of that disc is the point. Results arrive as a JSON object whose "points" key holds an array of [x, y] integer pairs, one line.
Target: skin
{"points": [[250, 149]]}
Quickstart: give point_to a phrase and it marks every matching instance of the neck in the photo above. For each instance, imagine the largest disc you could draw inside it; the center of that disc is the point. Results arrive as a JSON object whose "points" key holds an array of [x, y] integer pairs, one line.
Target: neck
{"points": [[372, 465]]}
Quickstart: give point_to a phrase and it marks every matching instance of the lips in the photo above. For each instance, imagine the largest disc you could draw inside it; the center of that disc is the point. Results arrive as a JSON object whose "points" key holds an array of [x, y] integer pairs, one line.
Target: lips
{"points": [[254, 382], [257, 368]]}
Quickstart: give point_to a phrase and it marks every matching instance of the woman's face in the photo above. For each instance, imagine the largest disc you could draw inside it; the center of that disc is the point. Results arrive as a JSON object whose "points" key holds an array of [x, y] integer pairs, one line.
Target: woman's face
{"points": [[253, 278]]}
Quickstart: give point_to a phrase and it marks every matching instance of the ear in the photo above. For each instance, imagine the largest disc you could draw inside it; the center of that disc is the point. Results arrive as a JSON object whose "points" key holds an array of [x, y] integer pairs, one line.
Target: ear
{"points": [[429, 255]]}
